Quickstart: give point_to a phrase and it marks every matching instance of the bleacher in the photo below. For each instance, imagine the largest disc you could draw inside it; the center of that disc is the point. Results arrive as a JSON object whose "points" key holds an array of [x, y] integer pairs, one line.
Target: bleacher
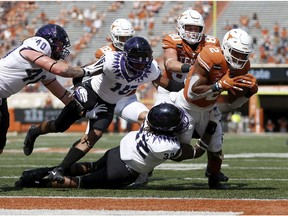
{"points": [[268, 13], [75, 30]]}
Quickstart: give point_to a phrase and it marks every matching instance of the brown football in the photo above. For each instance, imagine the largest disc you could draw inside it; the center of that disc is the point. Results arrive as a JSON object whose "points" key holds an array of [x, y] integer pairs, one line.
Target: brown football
{"points": [[232, 97]]}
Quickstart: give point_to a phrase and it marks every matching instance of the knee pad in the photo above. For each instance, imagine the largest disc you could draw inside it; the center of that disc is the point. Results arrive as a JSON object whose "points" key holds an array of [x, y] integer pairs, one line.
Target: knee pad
{"points": [[75, 106]]}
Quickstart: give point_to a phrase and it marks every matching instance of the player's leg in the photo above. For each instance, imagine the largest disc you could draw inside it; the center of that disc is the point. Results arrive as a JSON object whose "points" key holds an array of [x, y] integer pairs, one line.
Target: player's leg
{"points": [[215, 115], [162, 96], [215, 158], [71, 112], [131, 110], [66, 118], [88, 140], [134, 111], [4, 123], [112, 173]]}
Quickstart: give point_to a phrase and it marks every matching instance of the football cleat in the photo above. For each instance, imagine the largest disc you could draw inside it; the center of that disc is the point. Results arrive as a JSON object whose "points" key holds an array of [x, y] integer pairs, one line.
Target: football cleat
{"points": [[29, 141], [214, 183], [221, 176], [36, 174], [27, 182], [57, 174]]}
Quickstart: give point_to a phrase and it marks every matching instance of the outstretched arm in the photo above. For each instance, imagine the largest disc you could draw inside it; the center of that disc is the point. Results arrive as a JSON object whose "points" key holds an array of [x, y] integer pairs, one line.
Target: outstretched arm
{"points": [[188, 151], [172, 64], [170, 85], [60, 68], [56, 67], [58, 90]]}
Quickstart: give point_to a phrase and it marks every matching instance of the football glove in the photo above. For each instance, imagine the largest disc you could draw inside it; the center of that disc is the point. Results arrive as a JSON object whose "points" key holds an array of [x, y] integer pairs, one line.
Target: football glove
{"points": [[81, 94], [94, 68], [227, 83], [92, 114]]}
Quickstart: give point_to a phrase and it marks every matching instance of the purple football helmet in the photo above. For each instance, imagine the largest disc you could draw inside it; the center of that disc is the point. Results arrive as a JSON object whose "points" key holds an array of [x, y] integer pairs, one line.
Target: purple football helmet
{"points": [[57, 38], [167, 118], [138, 55]]}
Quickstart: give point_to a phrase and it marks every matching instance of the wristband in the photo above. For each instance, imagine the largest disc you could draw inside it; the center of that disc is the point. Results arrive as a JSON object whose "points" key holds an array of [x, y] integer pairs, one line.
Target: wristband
{"points": [[85, 73], [185, 68]]}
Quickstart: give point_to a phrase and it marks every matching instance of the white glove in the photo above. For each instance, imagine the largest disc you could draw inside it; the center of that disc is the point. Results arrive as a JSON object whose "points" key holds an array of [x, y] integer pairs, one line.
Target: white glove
{"points": [[81, 94], [215, 115], [94, 69], [92, 114]]}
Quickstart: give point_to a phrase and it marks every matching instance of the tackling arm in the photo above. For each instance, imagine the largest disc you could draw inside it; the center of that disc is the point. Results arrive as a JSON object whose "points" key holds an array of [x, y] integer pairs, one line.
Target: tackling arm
{"points": [[58, 90], [188, 151], [172, 64], [170, 85], [59, 68]]}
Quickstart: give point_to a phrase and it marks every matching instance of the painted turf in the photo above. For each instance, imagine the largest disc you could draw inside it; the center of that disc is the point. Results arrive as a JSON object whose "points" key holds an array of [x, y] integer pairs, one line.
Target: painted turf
{"points": [[138, 206], [105, 212]]}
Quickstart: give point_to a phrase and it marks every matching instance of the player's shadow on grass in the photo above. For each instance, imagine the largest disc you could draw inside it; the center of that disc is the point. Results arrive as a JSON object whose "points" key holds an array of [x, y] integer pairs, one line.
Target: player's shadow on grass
{"points": [[196, 186], [9, 189], [200, 186]]}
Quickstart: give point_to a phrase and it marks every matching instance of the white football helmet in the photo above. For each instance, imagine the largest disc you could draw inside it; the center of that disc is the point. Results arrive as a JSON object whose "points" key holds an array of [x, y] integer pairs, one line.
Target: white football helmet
{"points": [[190, 17], [237, 47], [120, 31]]}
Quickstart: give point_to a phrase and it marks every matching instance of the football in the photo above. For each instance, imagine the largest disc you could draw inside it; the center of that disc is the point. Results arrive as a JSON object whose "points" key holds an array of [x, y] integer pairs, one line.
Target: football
{"points": [[232, 96]]}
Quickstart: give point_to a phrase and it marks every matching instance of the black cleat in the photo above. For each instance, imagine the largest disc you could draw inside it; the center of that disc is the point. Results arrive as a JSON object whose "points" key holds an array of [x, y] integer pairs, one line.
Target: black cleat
{"points": [[214, 183], [29, 141], [57, 174], [27, 182], [221, 176], [36, 174]]}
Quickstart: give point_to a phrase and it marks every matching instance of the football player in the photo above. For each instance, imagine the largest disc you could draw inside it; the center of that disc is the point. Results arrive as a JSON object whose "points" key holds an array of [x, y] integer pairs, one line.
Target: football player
{"points": [[128, 107], [118, 74], [36, 60], [139, 152], [215, 70], [181, 49], [180, 53]]}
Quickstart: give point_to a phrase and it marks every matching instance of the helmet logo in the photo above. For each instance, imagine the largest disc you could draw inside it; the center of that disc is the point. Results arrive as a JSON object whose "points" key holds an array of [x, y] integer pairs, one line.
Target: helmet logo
{"points": [[230, 37]]}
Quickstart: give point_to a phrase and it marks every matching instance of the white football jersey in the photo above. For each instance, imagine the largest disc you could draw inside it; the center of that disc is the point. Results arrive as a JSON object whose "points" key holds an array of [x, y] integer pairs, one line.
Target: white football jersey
{"points": [[129, 108], [16, 71], [143, 150], [115, 82]]}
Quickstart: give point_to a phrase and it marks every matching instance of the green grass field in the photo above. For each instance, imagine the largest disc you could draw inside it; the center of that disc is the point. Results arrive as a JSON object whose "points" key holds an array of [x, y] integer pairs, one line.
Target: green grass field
{"points": [[256, 165]]}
